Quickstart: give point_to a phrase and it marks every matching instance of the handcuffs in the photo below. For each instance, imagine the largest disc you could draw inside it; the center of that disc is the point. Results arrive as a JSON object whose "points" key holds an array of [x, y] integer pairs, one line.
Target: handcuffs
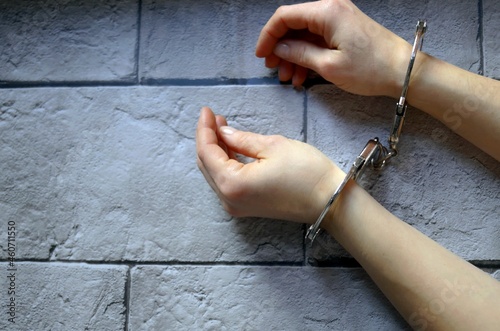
{"points": [[375, 154]]}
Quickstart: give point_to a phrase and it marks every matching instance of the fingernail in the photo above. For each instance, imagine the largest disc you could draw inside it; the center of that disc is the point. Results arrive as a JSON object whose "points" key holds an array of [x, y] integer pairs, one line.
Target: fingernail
{"points": [[226, 130], [282, 50]]}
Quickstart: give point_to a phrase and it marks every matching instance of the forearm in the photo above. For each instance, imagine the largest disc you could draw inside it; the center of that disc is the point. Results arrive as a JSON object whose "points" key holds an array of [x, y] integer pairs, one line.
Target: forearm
{"points": [[426, 283], [467, 103]]}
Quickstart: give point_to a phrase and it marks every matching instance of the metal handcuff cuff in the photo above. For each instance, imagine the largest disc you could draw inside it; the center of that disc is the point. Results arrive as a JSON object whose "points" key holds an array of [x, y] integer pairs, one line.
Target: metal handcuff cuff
{"points": [[375, 153]]}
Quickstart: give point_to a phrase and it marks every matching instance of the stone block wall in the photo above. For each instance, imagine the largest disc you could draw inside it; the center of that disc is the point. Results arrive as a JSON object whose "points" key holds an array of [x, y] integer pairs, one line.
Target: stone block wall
{"points": [[115, 227]]}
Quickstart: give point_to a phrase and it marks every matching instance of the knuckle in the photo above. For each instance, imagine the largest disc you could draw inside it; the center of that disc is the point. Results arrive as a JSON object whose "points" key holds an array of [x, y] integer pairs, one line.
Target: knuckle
{"points": [[281, 10], [328, 63], [301, 54], [331, 67], [232, 190]]}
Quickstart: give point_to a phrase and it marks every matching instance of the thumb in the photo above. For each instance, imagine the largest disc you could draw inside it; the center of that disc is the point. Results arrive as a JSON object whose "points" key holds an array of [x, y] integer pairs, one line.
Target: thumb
{"points": [[242, 142], [305, 54]]}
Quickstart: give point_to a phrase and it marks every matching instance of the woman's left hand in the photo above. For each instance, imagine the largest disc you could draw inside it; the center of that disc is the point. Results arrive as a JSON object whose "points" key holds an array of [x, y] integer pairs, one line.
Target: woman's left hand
{"points": [[288, 179]]}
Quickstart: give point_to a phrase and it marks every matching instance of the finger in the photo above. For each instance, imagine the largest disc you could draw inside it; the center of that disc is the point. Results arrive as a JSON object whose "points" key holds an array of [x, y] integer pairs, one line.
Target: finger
{"points": [[308, 55], [224, 201], [200, 164], [246, 143], [221, 121], [294, 17], [206, 121], [299, 76], [272, 61], [207, 176], [211, 155], [285, 71]]}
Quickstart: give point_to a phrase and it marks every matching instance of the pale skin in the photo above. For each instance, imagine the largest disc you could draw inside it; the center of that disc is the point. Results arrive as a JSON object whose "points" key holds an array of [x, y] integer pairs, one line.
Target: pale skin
{"points": [[432, 288]]}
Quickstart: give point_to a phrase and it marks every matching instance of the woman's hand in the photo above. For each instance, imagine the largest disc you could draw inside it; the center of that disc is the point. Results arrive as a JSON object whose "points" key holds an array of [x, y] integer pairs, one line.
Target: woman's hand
{"points": [[339, 42], [288, 179]]}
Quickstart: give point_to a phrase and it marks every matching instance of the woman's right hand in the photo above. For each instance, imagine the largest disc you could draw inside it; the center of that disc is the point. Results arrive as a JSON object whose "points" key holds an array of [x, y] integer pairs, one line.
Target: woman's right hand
{"points": [[339, 42]]}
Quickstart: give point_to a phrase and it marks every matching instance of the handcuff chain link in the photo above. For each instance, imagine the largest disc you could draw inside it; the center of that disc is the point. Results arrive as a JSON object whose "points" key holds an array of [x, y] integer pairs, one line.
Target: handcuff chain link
{"points": [[375, 153]]}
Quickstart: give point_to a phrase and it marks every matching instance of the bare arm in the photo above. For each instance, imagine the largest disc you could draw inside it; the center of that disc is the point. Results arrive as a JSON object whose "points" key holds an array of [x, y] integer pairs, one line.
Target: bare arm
{"points": [[346, 54], [467, 103], [290, 180], [431, 288]]}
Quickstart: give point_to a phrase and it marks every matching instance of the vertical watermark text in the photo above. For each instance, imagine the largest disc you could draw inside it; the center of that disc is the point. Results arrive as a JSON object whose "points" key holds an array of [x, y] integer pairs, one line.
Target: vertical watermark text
{"points": [[11, 272]]}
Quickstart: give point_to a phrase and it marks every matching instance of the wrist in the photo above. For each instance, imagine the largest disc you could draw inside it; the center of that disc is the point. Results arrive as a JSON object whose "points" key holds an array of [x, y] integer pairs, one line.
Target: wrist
{"points": [[337, 213], [399, 65], [324, 191]]}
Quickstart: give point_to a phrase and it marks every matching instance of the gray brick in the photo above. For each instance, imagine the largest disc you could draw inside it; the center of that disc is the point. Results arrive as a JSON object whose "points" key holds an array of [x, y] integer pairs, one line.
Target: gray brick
{"points": [[76, 40], [257, 298], [220, 41], [441, 184], [203, 39], [453, 26], [59, 296], [491, 35], [110, 173]]}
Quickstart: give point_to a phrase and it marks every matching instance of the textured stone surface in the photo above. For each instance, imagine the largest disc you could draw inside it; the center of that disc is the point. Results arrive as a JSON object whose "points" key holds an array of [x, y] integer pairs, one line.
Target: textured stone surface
{"points": [[66, 297], [452, 32], [110, 174], [105, 174], [61, 40], [219, 41], [441, 184], [491, 35], [257, 298]]}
